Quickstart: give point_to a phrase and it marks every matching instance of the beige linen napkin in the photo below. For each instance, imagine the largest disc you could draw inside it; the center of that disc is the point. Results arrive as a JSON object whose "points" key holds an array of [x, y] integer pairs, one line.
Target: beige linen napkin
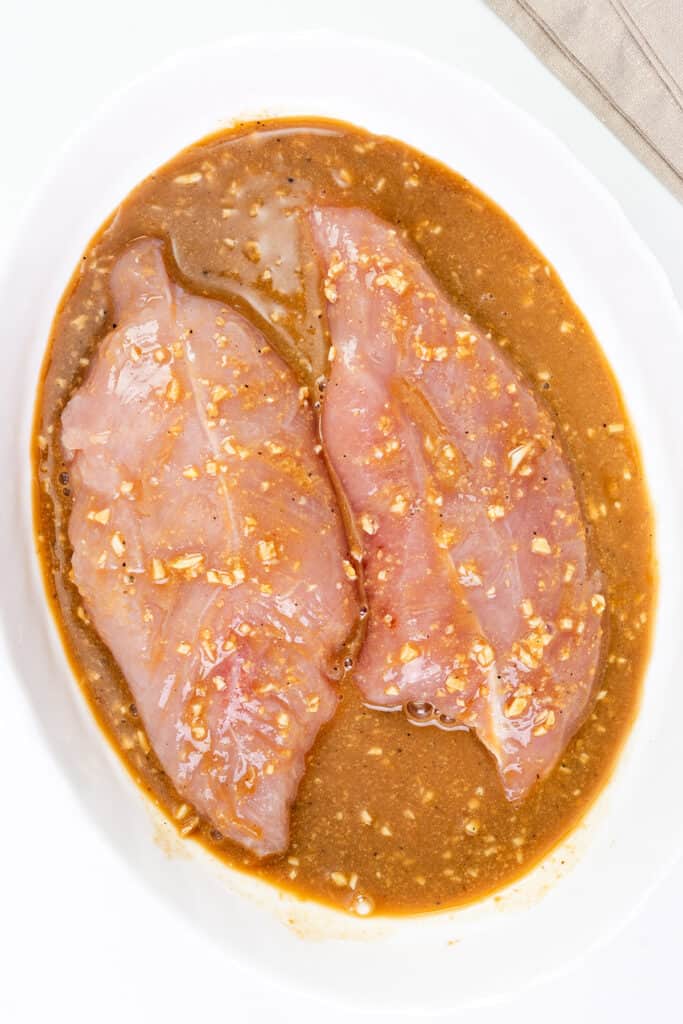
{"points": [[624, 59]]}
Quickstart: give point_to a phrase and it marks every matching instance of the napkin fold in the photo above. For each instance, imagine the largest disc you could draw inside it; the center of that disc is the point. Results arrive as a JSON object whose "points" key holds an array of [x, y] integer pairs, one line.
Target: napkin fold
{"points": [[624, 59]]}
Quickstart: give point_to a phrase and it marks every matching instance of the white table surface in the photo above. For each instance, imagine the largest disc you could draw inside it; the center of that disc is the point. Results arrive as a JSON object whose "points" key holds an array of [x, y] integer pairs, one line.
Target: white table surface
{"points": [[74, 919]]}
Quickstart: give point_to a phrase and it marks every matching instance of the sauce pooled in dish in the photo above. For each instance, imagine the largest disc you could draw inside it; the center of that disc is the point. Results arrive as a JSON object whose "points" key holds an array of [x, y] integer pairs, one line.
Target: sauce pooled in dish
{"points": [[325, 453]]}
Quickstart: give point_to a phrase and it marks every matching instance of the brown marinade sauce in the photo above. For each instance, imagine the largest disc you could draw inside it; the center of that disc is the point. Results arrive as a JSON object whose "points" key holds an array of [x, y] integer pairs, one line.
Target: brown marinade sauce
{"points": [[417, 813]]}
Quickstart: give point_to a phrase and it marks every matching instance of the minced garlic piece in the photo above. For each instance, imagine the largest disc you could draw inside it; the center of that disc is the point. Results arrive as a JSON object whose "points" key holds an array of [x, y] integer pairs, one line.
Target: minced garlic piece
{"points": [[483, 654], [408, 653], [349, 570], [369, 524], [515, 707], [517, 455], [445, 538], [173, 390], [219, 392], [188, 179], [252, 251], [227, 578], [158, 570], [399, 505], [118, 544], [100, 517], [454, 684], [267, 552], [544, 722], [312, 703], [394, 279], [189, 561]]}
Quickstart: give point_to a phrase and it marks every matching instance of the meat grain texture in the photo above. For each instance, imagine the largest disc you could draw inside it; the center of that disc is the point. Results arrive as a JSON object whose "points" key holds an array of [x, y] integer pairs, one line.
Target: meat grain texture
{"points": [[207, 547], [484, 609]]}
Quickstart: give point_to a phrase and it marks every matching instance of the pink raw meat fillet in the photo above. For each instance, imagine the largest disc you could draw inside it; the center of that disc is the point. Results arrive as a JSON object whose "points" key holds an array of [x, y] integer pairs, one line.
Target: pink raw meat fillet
{"points": [[482, 602], [207, 547]]}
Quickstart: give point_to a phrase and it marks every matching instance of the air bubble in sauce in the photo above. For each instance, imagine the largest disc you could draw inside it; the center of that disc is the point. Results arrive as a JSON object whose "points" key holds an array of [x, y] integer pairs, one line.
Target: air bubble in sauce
{"points": [[419, 711], [448, 723]]}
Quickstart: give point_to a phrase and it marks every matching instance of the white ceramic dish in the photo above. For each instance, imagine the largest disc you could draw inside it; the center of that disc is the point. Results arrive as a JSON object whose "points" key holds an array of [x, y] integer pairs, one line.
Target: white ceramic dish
{"points": [[585, 890]]}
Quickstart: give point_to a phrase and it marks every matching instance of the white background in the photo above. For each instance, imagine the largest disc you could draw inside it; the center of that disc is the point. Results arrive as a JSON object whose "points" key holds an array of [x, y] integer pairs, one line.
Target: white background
{"points": [[74, 920]]}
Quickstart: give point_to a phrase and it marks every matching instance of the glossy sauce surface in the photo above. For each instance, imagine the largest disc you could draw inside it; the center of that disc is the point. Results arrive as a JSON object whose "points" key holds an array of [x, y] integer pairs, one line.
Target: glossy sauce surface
{"points": [[390, 816]]}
